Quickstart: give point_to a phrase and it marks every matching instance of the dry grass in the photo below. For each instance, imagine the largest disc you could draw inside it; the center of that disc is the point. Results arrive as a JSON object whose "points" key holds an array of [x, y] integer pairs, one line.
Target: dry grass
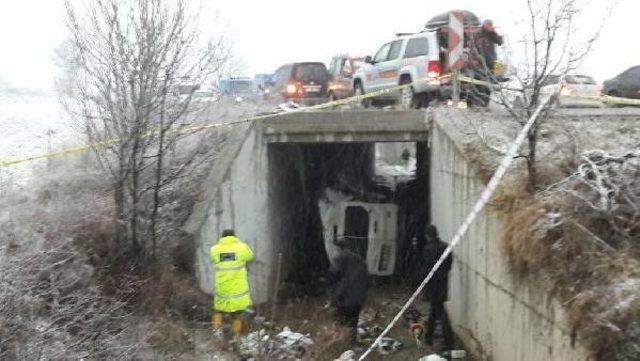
{"points": [[521, 239], [67, 289], [599, 289]]}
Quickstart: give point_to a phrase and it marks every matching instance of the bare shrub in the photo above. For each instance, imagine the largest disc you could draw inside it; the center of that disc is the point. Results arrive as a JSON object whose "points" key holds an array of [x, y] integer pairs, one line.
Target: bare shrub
{"points": [[132, 68], [554, 45], [583, 231], [50, 308]]}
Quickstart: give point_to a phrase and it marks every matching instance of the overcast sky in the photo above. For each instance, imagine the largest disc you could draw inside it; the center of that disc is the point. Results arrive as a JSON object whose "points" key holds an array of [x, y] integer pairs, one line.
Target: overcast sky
{"points": [[267, 34]]}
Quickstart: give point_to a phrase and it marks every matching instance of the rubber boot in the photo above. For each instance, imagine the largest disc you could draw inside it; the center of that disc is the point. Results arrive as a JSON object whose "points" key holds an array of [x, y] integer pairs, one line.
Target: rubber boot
{"points": [[236, 328], [216, 321]]}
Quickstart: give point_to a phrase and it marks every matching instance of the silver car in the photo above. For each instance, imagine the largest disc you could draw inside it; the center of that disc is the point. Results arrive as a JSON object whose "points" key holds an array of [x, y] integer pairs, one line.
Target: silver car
{"points": [[578, 91]]}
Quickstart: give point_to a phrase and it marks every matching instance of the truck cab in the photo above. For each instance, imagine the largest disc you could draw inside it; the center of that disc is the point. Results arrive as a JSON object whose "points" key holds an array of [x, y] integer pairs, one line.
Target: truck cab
{"points": [[369, 228]]}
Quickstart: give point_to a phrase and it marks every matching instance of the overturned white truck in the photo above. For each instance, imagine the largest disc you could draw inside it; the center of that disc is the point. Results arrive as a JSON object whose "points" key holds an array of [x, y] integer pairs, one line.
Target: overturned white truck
{"points": [[371, 230]]}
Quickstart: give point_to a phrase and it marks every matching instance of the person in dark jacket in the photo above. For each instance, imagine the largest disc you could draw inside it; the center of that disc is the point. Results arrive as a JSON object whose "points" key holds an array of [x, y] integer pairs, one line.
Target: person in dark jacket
{"points": [[436, 291], [486, 43], [350, 285]]}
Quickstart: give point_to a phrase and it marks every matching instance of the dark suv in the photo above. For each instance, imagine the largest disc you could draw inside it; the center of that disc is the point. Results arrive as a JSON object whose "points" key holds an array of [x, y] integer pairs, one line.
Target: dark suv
{"points": [[305, 83], [626, 84]]}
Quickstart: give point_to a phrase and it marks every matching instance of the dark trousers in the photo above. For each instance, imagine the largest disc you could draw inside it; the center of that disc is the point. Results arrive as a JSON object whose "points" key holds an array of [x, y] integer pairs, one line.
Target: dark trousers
{"points": [[438, 312], [348, 317]]}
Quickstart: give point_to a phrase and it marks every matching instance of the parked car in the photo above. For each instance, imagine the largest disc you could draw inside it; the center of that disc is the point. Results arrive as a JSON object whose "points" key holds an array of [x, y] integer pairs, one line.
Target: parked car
{"points": [[420, 58], [264, 84], [237, 88], [573, 88], [305, 83], [408, 58], [263, 81], [341, 73], [626, 84]]}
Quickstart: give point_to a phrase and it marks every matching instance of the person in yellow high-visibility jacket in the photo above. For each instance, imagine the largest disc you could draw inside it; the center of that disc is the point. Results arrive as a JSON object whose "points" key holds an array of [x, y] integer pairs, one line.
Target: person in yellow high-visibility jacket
{"points": [[229, 257]]}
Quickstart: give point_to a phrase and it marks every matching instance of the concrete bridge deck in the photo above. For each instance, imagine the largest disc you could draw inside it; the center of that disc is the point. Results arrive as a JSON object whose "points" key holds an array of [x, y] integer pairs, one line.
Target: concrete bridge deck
{"points": [[348, 126]]}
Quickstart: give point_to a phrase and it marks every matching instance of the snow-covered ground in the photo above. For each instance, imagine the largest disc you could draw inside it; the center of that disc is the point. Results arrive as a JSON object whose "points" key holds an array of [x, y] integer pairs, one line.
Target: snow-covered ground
{"points": [[31, 123], [34, 123]]}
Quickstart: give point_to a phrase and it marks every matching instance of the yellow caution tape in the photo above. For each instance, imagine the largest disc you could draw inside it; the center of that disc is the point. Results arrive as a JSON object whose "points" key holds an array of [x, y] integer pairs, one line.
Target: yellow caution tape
{"points": [[82, 148]]}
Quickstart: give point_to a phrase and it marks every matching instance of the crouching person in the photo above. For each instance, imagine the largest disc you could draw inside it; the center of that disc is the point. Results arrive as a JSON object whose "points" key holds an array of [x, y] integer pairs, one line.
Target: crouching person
{"points": [[229, 257], [350, 285]]}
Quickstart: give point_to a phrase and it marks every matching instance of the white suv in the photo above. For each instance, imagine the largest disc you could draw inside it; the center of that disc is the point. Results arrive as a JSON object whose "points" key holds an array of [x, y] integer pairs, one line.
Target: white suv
{"points": [[408, 58]]}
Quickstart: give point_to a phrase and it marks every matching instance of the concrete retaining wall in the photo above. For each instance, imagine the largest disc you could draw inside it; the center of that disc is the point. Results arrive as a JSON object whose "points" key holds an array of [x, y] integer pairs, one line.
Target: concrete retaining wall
{"points": [[239, 202], [497, 318]]}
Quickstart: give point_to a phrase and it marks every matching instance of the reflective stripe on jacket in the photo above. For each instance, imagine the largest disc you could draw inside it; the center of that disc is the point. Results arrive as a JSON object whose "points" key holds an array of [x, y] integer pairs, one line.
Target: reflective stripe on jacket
{"points": [[231, 288]]}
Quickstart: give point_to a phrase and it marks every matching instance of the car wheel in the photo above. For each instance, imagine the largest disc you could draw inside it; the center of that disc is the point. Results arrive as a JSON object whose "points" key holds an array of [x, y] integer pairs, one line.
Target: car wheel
{"points": [[408, 97], [359, 90], [332, 97]]}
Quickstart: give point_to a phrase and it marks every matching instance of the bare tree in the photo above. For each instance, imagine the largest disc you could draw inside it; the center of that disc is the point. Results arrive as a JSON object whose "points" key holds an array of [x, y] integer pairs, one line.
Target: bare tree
{"points": [[550, 48], [136, 65]]}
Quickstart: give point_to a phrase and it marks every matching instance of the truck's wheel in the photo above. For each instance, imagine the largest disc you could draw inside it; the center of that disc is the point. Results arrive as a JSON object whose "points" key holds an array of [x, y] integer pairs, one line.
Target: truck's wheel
{"points": [[359, 90], [408, 99]]}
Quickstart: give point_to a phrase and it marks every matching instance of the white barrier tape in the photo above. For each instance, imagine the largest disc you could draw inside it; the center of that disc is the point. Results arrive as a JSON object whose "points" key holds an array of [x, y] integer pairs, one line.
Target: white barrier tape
{"points": [[477, 208]]}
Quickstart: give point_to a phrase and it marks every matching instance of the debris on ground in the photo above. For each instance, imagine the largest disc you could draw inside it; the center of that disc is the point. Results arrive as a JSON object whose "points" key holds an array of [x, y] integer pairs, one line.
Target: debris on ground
{"points": [[369, 333], [286, 345], [389, 345], [432, 357], [288, 106], [294, 341], [368, 315], [348, 355], [455, 355]]}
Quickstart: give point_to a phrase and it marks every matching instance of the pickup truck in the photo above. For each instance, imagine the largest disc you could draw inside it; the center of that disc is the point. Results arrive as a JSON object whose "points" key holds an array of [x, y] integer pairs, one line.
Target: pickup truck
{"points": [[408, 58], [421, 59]]}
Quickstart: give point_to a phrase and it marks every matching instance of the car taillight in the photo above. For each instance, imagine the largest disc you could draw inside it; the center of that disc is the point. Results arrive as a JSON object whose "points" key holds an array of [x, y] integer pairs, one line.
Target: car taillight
{"points": [[294, 89], [434, 69], [291, 89]]}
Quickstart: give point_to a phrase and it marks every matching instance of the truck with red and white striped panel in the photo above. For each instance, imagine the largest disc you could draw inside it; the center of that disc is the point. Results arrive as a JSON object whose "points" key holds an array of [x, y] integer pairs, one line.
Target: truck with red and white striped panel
{"points": [[419, 58]]}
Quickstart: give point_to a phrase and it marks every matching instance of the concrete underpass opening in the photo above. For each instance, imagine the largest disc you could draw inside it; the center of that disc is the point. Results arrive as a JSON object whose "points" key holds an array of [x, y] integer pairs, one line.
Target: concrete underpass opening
{"points": [[375, 195]]}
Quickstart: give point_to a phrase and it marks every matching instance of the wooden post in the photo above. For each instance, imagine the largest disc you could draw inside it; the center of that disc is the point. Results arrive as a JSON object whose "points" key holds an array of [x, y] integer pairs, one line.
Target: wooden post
{"points": [[455, 79], [274, 300]]}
